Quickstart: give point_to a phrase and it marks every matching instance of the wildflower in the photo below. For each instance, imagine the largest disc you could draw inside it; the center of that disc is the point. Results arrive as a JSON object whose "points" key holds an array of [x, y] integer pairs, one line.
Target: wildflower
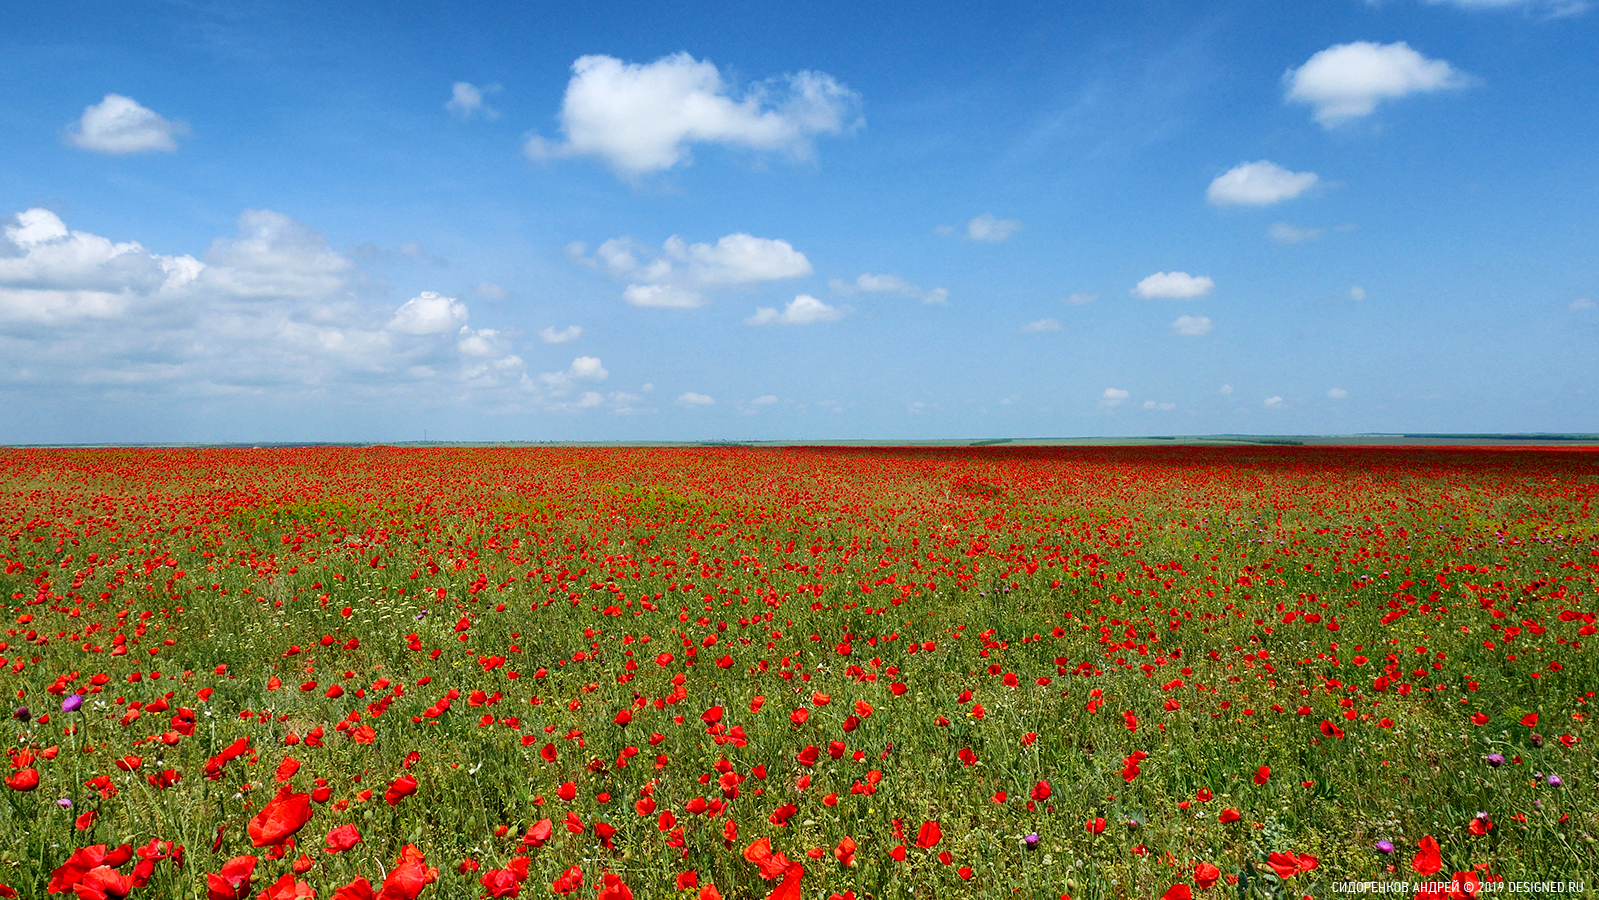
{"points": [[283, 815], [1428, 859], [233, 882]]}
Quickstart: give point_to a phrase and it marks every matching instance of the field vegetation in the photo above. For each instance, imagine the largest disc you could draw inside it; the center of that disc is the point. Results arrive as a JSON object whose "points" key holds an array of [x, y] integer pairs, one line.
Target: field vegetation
{"points": [[823, 673]]}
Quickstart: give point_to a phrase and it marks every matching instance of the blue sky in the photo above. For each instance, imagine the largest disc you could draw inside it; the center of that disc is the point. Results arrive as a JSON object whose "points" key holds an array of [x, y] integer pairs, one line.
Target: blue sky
{"points": [[311, 222]]}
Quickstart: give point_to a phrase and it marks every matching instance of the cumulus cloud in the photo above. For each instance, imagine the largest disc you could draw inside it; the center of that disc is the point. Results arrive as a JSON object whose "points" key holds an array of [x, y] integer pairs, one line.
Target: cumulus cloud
{"points": [[119, 124], [1272, 402], [1113, 397], [802, 310], [1347, 81], [1284, 233], [466, 101], [677, 276], [691, 399], [551, 336], [1041, 325], [641, 118], [1225, 389], [275, 256], [50, 275], [1259, 183], [1357, 293], [889, 284], [429, 313], [1173, 286], [584, 368], [1192, 326], [1338, 393], [988, 229], [272, 309]]}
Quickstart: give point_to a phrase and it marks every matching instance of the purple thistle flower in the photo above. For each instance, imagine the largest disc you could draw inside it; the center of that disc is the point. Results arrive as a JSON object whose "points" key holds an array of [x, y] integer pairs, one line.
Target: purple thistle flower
{"points": [[1385, 847], [72, 703]]}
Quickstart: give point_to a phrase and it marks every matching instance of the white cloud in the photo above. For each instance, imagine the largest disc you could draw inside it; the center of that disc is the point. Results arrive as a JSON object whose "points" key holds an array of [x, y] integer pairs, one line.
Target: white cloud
{"points": [[551, 336], [677, 276], [662, 296], [1159, 407], [1582, 303], [991, 230], [689, 398], [1284, 233], [1259, 183], [488, 290], [1347, 81], [119, 124], [271, 310], [466, 101], [1357, 293], [1079, 299], [802, 310], [429, 313], [1225, 389], [275, 256], [1041, 325], [50, 275], [889, 284], [1551, 8], [642, 118], [1272, 402], [884, 283], [764, 400], [1192, 326], [584, 368], [1173, 286], [1113, 397], [738, 259], [1338, 393]]}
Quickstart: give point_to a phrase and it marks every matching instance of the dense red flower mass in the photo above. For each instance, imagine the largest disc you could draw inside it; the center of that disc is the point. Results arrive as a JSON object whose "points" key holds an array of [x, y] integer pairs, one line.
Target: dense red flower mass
{"points": [[759, 671]]}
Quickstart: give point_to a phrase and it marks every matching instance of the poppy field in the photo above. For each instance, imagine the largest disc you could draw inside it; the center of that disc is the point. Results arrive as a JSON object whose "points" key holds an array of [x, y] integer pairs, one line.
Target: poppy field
{"points": [[1097, 672]]}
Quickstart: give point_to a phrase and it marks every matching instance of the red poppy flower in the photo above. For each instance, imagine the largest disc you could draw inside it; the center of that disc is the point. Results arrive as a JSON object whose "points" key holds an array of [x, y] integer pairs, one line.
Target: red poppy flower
{"points": [[1178, 892], [399, 789], [1229, 815], [286, 888], [1262, 775], [929, 834], [23, 779], [342, 838], [612, 888], [359, 889], [1428, 858], [1287, 865], [283, 815], [500, 883], [538, 833], [1040, 791], [1205, 875], [1096, 825]]}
